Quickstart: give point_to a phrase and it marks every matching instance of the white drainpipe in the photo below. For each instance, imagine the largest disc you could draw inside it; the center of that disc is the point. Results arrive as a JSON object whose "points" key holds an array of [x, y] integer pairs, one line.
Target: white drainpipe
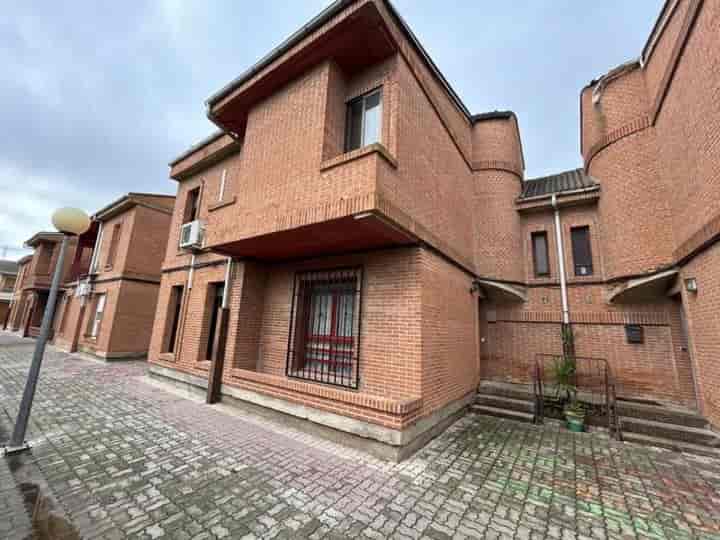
{"points": [[192, 271], [561, 261], [228, 268]]}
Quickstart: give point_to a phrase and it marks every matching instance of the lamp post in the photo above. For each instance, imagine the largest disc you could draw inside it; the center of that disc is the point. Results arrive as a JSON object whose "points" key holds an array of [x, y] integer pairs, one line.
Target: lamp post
{"points": [[70, 222]]}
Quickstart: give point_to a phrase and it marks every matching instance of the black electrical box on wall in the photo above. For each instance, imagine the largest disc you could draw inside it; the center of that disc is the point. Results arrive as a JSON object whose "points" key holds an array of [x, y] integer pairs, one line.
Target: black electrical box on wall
{"points": [[634, 333]]}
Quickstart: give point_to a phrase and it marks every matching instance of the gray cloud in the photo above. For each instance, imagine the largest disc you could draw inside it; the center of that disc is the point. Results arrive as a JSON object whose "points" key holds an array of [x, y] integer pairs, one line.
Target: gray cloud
{"points": [[97, 97]]}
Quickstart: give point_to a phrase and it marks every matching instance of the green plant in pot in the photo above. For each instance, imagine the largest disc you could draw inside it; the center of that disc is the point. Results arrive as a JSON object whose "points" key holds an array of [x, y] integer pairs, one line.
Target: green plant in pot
{"points": [[575, 416], [566, 393]]}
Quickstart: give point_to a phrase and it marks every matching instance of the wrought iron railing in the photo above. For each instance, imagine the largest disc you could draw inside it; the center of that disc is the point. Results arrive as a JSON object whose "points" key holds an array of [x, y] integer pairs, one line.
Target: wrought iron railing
{"points": [[594, 385]]}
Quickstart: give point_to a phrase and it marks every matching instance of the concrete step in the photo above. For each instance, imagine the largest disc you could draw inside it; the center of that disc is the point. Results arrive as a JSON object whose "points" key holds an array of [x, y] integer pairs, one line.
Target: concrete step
{"points": [[677, 446], [508, 390], [673, 432], [501, 402], [659, 413], [502, 413]]}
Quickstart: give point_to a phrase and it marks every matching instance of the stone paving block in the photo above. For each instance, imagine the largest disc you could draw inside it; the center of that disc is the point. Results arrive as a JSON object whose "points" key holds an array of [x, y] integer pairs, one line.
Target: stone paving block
{"points": [[127, 460]]}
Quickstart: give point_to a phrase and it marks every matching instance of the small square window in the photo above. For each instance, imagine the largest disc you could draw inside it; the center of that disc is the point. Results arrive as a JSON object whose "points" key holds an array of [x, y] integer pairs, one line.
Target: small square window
{"points": [[634, 333], [364, 118]]}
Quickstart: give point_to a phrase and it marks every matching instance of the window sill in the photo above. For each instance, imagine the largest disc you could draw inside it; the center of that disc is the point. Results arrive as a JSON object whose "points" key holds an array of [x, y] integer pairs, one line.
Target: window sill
{"points": [[357, 154], [222, 204]]}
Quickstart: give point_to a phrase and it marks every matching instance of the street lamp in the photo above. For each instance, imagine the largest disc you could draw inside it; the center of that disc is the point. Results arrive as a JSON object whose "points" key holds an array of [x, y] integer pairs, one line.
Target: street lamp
{"points": [[70, 222]]}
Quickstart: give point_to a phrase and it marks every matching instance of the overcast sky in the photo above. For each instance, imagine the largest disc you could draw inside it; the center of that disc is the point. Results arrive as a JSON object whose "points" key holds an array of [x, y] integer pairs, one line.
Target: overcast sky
{"points": [[97, 97]]}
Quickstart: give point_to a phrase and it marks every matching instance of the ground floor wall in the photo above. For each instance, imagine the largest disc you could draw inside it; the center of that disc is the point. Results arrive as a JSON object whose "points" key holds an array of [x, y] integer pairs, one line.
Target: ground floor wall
{"points": [[659, 368], [126, 322], [417, 334], [703, 321]]}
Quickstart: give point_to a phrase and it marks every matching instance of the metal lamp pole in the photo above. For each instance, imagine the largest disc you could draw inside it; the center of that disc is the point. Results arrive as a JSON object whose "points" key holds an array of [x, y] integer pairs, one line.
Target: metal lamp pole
{"points": [[17, 442]]}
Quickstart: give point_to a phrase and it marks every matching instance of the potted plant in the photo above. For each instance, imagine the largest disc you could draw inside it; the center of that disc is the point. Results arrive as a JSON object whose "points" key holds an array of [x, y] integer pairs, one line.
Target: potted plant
{"points": [[575, 416], [566, 394]]}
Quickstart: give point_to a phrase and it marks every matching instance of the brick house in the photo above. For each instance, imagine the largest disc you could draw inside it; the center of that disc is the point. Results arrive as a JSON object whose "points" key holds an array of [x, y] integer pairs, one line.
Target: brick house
{"points": [[354, 247], [32, 285], [8, 275], [109, 300]]}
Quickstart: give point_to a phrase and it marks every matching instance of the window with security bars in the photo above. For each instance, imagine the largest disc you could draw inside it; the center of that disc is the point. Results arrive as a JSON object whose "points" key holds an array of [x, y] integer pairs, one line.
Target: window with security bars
{"points": [[324, 340]]}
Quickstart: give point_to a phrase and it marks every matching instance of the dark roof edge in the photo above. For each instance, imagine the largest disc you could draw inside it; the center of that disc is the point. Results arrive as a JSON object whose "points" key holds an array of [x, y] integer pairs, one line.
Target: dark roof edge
{"points": [[658, 26], [128, 198], [195, 147], [315, 23], [492, 115], [294, 38], [576, 169], [43, 235]]}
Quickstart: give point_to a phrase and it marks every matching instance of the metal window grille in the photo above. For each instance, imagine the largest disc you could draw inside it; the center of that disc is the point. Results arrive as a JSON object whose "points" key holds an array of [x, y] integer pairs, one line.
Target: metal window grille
{"points": [[324, 336]]}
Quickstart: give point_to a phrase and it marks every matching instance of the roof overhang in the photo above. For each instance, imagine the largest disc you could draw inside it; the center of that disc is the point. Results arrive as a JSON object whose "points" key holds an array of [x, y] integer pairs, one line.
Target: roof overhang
{"points": [[499, 291], [335, 34], [126, 202], [564, 199], [349, 234], [643, 289], [44, 236]]}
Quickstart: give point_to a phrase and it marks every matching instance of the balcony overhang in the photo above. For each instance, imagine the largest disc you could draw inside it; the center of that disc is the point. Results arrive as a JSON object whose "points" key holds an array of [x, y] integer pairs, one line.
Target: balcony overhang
{"points": [[644, 288], [349, 234], [354, 39], [499, 291]]}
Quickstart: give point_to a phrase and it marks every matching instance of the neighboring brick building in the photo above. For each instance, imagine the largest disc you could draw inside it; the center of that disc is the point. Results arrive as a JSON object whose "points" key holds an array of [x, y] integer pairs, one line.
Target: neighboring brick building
{"points": [[107, 309], [354, 247], [33, 282], [8, 275]]}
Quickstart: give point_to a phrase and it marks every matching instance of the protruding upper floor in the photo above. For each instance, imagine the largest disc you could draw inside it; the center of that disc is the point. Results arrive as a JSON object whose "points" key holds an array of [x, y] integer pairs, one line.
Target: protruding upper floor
{"points": [[327, 147]]}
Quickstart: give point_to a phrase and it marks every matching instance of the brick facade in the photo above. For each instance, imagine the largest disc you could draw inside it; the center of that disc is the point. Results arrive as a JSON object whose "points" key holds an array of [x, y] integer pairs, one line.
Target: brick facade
{"points": [[432, 212], [124, 268]]}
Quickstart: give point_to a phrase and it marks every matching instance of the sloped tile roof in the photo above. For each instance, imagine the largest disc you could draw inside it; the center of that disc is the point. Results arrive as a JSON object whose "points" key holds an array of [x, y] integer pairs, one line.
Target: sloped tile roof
{"points": [[557, 183]]}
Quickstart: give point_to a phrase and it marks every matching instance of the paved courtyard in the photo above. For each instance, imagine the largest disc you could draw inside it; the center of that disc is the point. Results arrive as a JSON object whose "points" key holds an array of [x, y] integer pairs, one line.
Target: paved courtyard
{"points": [[116, 457]]}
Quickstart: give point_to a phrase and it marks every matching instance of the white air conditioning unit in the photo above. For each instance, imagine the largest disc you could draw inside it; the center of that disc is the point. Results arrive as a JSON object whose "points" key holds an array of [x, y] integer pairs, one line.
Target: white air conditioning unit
{"points": [[83, 289], [191, 234]]}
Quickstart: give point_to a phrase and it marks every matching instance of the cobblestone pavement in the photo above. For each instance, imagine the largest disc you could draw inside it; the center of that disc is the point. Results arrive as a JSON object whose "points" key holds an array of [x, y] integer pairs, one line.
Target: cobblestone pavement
{"points": [[114, 457]]}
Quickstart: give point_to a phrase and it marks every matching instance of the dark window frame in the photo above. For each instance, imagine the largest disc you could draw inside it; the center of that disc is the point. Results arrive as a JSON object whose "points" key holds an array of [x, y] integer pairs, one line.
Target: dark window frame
{"points": [[326, 355], [536, 269], [192, 205], [174, 312], [215, 293], [582, 255], [113, 247], [350, 145]]}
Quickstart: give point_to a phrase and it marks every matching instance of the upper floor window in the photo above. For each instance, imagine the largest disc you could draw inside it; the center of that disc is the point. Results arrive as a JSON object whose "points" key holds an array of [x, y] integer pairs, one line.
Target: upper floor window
{"points": [[581, 250], [363, 124], [191, 205], [221, 191], [541, 261], [114, 240]]}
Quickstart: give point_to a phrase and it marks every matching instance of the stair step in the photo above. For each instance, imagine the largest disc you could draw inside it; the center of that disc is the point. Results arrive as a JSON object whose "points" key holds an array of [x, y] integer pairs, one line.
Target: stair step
{"points": [[502, 413], [660, 414], [513, 391], [673, 432], [502, 402], [677, 446]]}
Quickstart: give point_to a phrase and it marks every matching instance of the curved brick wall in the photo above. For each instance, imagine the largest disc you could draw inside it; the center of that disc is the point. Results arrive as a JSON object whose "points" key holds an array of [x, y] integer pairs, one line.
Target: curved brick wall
{"points": [[620, 150]]}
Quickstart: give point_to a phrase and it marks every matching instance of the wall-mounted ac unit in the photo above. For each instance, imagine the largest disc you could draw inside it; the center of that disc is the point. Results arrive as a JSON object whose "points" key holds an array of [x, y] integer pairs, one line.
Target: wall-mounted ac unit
{"points": [[83, 289], [191, 234]]}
